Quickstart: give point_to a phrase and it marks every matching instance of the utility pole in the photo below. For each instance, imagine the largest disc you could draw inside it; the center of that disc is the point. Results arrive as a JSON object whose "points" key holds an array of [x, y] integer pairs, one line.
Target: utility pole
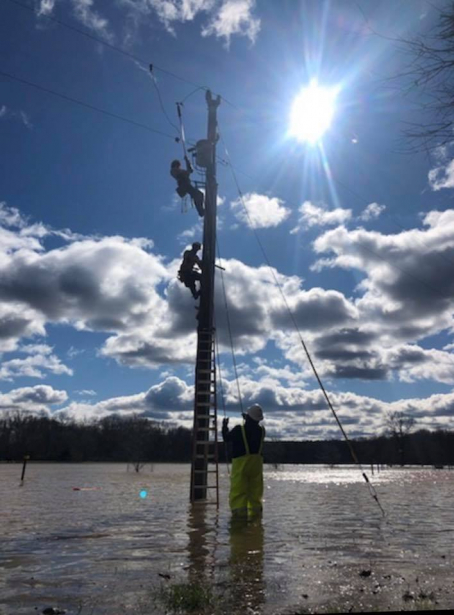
{"points": [[204, 447]]}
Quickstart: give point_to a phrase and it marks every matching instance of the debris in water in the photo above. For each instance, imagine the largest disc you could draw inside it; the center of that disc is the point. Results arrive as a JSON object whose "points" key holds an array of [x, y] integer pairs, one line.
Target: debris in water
{"points": [[365, 573], [53, 610]]}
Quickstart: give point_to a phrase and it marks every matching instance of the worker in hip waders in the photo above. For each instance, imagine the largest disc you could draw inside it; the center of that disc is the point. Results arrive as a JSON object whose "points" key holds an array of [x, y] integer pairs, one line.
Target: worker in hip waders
{"points": [[246, 484], [184, 184]]}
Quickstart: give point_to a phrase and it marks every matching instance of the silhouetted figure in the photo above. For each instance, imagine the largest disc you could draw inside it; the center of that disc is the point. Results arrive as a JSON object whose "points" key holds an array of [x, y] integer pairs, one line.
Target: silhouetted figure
{"points": [[187, 274], [246, 480], [184, 184]]}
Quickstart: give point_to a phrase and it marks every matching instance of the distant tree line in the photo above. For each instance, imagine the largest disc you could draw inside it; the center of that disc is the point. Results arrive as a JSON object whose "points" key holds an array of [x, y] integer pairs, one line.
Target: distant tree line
{"points": [[139, 440]]}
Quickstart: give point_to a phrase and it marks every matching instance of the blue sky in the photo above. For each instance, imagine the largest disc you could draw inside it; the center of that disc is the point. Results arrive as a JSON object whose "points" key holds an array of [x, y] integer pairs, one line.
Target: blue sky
{"points": [[361, 235]]}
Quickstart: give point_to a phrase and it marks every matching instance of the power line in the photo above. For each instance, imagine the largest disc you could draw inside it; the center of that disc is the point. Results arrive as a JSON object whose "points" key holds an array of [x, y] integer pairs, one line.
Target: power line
{"points": [[127, 54], [84, 104]]}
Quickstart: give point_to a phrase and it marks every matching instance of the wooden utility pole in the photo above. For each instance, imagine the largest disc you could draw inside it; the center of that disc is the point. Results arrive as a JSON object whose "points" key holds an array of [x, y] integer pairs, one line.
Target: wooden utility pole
{"points": [[204, 447]]}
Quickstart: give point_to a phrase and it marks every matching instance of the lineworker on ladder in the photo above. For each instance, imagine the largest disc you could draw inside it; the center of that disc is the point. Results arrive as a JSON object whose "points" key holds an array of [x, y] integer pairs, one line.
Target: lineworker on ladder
{"points": [[184, 184], [187, 274], [246, 483]]}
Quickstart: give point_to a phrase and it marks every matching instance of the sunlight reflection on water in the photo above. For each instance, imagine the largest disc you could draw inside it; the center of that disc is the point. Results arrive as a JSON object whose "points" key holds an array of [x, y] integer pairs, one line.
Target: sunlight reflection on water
{"points": [[107, 546]]}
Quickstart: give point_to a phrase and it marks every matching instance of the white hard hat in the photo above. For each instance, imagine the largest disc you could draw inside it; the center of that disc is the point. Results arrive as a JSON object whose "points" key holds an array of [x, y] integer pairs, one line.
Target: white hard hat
{"points": [[255, 412]]}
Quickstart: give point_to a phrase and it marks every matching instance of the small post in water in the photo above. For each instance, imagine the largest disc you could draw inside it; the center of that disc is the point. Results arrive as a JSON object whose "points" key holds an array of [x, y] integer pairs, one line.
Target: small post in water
{"points": [[26, 458]]}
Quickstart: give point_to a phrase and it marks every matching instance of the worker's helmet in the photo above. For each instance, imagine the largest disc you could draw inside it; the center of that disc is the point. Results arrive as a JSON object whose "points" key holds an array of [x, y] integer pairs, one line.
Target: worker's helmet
{"points": [[175, 163], [196, 245], [255, 412]]}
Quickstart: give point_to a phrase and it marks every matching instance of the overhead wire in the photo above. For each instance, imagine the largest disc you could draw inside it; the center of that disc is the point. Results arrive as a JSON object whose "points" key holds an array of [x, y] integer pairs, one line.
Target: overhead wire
{"points": [[125, 53], [161, 104], [372, 491], [85, 104]]}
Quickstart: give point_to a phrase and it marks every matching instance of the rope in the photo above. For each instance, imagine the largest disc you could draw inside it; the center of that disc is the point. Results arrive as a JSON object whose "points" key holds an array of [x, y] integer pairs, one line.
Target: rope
{"points": [[182, 137], [230, 331], [325, 394], [221, 387]]}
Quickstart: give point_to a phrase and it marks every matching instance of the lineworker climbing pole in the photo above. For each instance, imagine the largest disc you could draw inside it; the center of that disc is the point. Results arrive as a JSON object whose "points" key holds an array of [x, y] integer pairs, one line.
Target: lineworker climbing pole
{"points": [[187, 274], [184, 184], [246, 483]]}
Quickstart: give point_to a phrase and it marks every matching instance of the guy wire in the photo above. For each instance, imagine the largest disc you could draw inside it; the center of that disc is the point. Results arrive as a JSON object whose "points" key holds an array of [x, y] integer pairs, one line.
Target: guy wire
{"points": [[240, 399], [325, 394]]}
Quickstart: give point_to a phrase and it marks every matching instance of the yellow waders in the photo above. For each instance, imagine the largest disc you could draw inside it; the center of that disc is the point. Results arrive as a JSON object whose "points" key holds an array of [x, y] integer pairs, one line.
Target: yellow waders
{"points": [[246, 486]]}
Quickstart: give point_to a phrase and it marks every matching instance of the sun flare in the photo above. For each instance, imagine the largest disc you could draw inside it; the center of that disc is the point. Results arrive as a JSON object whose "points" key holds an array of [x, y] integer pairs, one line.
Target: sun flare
{"points": [[312, 112]]}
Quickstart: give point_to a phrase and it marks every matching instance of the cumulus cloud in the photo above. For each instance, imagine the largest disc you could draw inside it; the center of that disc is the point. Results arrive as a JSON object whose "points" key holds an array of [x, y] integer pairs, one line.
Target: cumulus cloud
{"points": [[406, 292], [39, 363], [164, 401], [311, 215], [36, 400], [291, 412], [372, 212], [262, 211], [123, 288]]}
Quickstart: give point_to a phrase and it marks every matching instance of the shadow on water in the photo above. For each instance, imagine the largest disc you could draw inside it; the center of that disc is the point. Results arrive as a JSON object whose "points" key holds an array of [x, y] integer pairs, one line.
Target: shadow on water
{"points": [[246, 563], [243, 584]]}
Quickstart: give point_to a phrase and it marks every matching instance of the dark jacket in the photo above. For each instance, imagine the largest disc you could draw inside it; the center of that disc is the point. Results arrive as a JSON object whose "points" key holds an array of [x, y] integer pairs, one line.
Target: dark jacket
{"points": [[254, 433]]}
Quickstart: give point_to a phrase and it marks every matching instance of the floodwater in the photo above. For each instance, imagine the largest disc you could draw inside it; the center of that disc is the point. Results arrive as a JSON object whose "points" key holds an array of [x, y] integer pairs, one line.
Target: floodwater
{"points": [[322, 543]]}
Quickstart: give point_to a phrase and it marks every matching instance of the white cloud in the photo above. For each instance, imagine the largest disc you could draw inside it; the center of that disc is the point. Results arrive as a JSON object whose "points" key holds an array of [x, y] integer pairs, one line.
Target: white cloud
{"points": [[121, 287], [311, 215], [442, 177], [291, 412], [91, 19], [226, 17], [264, 211], [46, 7], [40, 362], [35, 400], [234, 17], [191, 234], [372, 212]]}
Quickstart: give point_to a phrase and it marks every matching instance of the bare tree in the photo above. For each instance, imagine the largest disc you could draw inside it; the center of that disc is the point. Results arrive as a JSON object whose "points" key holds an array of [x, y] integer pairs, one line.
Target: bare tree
{"points": [[430, 73], [398, 425]]}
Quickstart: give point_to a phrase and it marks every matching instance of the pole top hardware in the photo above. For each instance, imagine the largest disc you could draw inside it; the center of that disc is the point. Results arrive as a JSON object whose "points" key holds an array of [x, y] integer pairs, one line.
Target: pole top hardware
{"points": [[210, 101]]}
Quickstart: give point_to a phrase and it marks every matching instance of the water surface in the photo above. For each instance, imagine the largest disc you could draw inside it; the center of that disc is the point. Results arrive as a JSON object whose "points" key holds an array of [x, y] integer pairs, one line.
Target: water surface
{"points": [[99, 549]]}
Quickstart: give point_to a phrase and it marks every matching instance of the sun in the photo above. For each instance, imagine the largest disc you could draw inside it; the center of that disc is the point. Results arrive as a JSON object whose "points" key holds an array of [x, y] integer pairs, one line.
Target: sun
{"points": [[312, 112]]}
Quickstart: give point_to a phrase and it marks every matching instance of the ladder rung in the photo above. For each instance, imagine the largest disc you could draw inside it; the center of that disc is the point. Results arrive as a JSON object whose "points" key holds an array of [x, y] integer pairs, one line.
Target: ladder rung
{"points": [[204, 486], [205, 471], [207, 457], [205, 442], [206, 371]]}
